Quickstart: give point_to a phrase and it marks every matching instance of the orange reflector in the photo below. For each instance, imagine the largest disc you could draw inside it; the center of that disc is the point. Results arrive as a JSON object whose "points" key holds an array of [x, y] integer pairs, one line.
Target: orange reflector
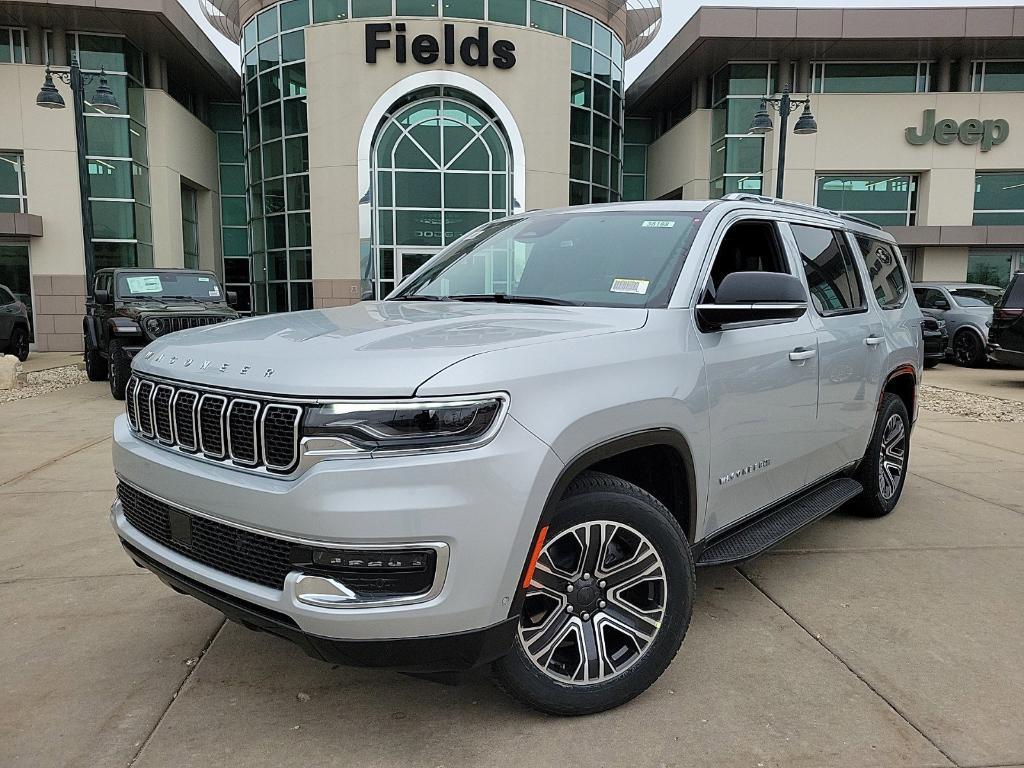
{"points": [[534, 556]]}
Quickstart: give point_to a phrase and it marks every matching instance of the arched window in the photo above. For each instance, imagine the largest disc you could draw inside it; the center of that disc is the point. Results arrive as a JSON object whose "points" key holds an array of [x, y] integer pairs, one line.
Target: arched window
{"points": [[441, 167]]}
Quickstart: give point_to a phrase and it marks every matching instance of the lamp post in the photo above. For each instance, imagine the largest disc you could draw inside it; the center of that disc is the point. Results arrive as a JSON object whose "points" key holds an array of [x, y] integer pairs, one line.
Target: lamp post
{"points": [[785, 106], [103, 101]]}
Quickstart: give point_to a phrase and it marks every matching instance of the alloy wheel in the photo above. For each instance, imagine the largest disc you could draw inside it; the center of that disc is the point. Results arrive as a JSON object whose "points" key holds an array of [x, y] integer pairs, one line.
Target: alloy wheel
{"points": [[965, 349], [893, 456], [595, 604]]}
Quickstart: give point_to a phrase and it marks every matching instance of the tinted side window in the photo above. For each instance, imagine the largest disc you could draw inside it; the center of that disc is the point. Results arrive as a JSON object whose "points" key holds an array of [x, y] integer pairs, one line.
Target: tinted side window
{"points": [[748, 246], [831, 274], [1014, 297], [888, 282]]}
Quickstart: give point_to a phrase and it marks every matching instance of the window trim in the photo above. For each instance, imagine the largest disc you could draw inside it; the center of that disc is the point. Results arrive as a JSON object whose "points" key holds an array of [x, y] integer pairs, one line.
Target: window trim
{"points": [[843, 242]]}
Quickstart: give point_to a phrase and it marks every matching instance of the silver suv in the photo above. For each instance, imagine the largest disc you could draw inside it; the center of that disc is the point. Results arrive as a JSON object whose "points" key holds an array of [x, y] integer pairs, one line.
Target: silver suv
{"points": [[519, 457]]}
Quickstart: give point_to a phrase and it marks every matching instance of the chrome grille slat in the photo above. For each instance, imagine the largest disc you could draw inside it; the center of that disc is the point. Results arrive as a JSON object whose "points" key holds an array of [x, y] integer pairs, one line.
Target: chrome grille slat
{"points": [[252, 433]]}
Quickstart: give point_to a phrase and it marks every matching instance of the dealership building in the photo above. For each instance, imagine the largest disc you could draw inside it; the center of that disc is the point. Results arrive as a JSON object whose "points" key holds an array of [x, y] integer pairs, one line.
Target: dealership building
{"points": [[362, 136]]}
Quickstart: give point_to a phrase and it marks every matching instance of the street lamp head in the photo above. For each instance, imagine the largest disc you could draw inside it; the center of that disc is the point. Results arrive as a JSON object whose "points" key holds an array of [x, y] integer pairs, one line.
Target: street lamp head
{"points": [[104, 99], [762, 122], [49, 97], [806, 124]]}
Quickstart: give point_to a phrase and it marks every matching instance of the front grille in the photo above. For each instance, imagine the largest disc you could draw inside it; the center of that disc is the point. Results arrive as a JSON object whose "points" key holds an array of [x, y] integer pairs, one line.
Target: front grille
{"points": [[248, 432], [172, 323], [237, 552]]}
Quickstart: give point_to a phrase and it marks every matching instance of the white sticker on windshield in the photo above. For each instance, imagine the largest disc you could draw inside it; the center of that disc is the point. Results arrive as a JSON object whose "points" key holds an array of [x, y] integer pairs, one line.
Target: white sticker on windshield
{"points": [[659, 224], [622, 285], [147, 284], [215, 292], [203, 279]]}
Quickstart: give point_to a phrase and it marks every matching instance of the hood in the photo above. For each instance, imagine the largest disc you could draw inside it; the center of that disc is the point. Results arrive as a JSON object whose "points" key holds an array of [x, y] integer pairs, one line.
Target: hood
{"points": [[371, 349]]}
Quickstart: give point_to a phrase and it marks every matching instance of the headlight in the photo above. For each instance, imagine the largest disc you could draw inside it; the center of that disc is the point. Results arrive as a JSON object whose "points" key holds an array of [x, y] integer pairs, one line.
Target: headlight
{"points": [[941, 324], [407, 425], [154, 327]]}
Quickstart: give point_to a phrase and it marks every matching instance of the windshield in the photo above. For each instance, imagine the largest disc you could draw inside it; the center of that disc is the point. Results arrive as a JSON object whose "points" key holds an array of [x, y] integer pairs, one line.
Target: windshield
{"points": [[608, 259], [976, 297], [169, 285]]}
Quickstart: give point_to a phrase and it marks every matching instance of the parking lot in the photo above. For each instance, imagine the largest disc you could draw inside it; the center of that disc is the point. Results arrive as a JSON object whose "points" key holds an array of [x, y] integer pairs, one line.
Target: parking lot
{"points": [[892, 642]]}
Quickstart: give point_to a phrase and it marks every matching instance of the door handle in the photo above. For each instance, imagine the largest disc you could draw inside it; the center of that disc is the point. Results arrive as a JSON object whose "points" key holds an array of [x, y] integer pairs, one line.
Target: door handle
{"points": [[874, 341], [800, 354]]}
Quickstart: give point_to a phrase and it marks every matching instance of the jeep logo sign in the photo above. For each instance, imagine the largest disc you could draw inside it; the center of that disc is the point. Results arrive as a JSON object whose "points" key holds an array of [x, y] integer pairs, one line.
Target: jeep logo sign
{"points": [[474, 51], [988, 133]]}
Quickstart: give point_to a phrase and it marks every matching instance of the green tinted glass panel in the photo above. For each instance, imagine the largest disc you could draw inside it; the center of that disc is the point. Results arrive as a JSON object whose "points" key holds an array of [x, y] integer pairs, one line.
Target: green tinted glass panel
{"points": [[885, 219], [499, 154], [230, 149], [741, 114], [385, 227], [270, 121], [107, 178], [408, 155], [100, 52], [579, 163], [633, 188], [330, 10], [717, 159], [143, 223], [579, 126], [418, 227], [602, 98], [296, 155], [417, 190], [467, 190], [297, 190], [579, 27], [384, 190], [10, 174], [474, 157], [107, 137], [428, 137], [579, 194], [999, 191], [865, 193], [603, 68], [294, 14], [113, 221], [868, 77], [232, 211], [365, 8], [252, 59], [1004, 76], [742, 79], [300, 264], [603, 39], [581, 59], [236, 242], [266, 24], [249, 35], [508, 11], [464, 9], [545, 16], [10, 205], [299, 230], [273, 196], [137, 140], [293, 46], [750, 184], [600, 166], [744, 155], [602, 133], [273, 161], [275, 226], [499, 192], [639, 130], [236, 270], [270, 86], [269, 54], [415, 8], [119, 85], [295, 117], [140, 183], [580, 93], [458, 223], [1010, 218], [294, 80], [635, 160], [277, 265], [991, 268], [114, 255]]}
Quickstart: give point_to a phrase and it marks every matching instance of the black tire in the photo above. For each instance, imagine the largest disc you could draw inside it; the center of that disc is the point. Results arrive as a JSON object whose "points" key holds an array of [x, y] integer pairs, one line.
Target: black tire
{"points": [[880, 497], [669, 584], [120, 368], [95, 364], [931, 363], [968, 349], [19, 343]]}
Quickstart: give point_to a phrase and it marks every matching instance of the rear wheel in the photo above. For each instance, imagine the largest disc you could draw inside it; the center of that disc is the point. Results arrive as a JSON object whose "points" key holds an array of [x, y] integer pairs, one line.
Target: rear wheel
{"points": [[120, 369], [609, 603], [968, 349], [883, 470], [19, 343]]}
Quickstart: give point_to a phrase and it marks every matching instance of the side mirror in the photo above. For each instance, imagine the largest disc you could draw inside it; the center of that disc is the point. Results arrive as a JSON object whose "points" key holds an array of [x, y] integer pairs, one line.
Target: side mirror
{"points": [[754, 297], [102, 296], [941, 304], [232, 298]]}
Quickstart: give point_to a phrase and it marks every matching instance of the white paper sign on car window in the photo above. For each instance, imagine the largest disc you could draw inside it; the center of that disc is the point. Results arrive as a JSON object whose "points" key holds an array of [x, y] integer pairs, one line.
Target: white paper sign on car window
{"points": [[145, 284]]}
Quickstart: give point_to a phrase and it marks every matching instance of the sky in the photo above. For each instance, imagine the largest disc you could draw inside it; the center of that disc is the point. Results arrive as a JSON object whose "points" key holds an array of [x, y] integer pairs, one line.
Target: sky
{"points": [[676, 13]]}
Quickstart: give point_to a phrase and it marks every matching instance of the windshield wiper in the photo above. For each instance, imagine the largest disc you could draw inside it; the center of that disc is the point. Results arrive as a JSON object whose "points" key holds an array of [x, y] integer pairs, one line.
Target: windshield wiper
{"points": [[504, 298]]}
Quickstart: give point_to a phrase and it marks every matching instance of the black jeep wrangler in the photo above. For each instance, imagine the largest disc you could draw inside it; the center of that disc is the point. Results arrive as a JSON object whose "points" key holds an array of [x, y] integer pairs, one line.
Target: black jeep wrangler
{"points": [[131, 307]]}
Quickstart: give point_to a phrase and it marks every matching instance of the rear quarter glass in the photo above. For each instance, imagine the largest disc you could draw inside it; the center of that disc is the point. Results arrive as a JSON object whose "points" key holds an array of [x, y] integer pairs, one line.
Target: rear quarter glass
{"points": [[1014, 298]]}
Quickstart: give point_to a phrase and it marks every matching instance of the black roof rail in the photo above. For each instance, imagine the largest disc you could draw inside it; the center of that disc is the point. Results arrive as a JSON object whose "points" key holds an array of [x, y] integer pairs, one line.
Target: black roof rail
{"points": [[747, 196]]}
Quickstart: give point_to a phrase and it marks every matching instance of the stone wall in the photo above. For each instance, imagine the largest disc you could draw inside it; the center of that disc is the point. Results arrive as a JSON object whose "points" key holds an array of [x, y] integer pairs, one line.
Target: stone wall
{"points": [[58, 309]]}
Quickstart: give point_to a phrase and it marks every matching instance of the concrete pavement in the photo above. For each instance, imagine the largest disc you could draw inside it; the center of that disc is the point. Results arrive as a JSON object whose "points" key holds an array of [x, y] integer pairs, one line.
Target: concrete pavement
{"points": [[893, 642]]}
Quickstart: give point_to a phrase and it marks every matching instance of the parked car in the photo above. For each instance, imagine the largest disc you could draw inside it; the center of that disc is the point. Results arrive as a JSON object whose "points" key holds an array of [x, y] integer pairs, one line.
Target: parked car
{"points": [[936, 340], [967, 310], [15, 327], [131, 307], [1006, 337], [519, 457]]}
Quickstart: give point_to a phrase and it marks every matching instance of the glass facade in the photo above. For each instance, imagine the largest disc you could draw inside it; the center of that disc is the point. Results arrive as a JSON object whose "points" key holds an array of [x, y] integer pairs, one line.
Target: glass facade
{"points": [[999, 198], [13, 194], [993, 266], [638, 135], [997, 75], [441, 167], [737, 156], [12, 45], [886, 200], [116, 152], [871, 77], [226, 122], [189, 228], [273, 52]]}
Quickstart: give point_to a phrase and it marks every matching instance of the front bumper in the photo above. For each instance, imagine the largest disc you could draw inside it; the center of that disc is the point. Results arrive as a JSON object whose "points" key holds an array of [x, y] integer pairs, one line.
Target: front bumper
{"points": [[484, 504]]}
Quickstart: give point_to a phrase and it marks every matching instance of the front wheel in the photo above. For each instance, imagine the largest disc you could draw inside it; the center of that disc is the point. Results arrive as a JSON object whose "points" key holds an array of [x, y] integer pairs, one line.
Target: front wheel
{"points": [[95, 365], [968, 349], [120, 369], [883, 470], [19, 343], [609, 603]]}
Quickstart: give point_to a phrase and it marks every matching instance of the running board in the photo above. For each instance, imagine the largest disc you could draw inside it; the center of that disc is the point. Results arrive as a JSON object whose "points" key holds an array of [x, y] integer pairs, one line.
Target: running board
{"points": [[769, 529]]}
